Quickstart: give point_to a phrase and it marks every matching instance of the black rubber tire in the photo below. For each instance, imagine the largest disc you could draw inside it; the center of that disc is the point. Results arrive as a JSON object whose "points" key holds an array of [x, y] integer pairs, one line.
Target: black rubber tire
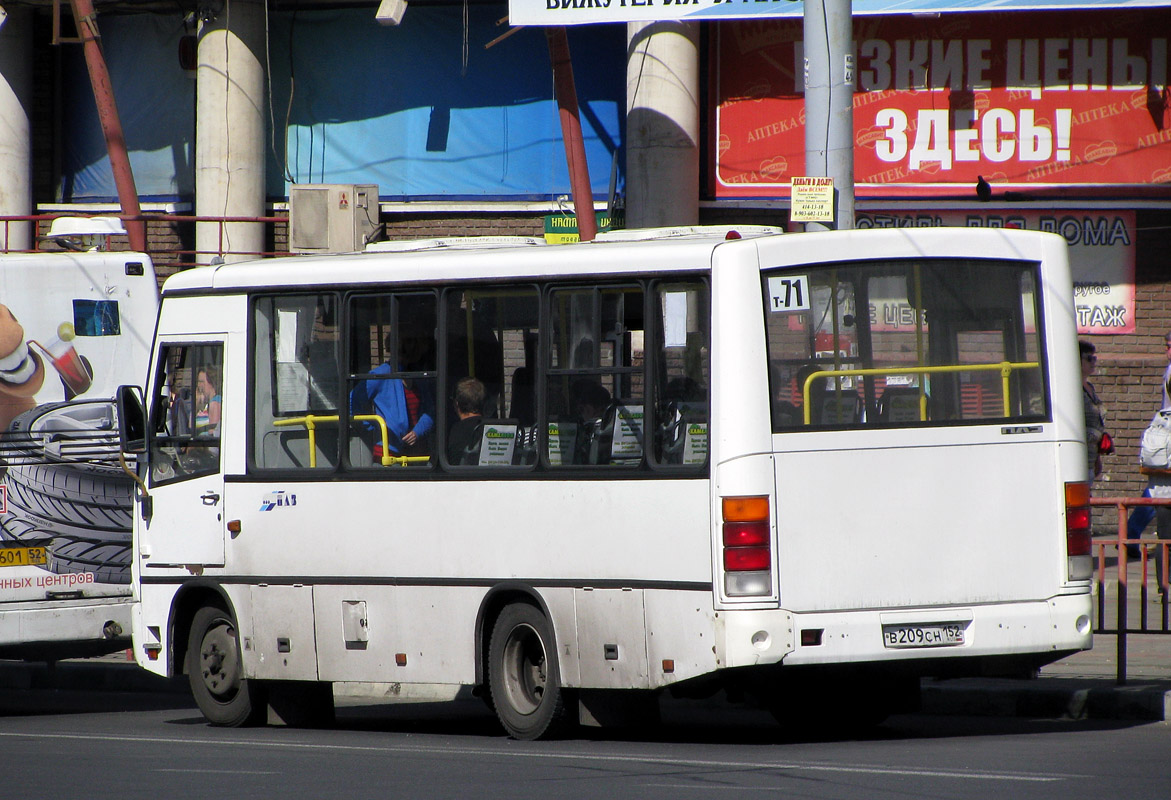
{"points": [[62, 493], [524, 675], [223, 695], [108, 561], [72, 548], [29, 531]]}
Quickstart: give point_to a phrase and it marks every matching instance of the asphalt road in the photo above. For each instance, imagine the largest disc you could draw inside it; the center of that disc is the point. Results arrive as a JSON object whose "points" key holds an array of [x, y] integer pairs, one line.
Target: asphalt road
{"points": [[60, 744]]}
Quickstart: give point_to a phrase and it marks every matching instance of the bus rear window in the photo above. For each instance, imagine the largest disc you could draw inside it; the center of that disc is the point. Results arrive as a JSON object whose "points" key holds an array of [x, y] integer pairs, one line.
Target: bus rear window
{"points": [[904, 343]]}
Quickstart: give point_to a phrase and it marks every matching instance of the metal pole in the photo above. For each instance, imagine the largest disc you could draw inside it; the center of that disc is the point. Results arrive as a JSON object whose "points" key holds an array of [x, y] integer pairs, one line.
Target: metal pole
{"points": [[829, 104], [99, 76], [579, 174]]}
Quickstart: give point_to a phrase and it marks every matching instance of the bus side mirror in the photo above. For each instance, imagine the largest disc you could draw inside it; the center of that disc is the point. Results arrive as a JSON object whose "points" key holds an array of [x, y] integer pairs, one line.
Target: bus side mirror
{"points": [[131, 420]]}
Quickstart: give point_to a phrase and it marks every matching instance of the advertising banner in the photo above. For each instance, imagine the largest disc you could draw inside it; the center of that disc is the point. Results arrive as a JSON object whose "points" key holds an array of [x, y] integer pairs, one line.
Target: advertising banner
{"points": [[579, 12], [1101, 256], [1027, 101]]}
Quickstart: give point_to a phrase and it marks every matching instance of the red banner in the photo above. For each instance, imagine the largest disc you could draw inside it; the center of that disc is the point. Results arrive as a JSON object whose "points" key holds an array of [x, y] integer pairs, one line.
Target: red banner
{"points": [[1024, 100]]}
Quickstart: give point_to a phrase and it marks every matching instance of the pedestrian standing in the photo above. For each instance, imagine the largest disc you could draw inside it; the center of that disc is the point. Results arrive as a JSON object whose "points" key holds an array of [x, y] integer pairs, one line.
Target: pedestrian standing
{"points": [[1141, 516], [1096, 435]]}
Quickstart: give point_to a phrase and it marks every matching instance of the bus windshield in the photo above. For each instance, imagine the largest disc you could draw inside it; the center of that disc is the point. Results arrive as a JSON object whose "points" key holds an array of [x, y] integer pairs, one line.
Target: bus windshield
{"points": [[917, 343]]}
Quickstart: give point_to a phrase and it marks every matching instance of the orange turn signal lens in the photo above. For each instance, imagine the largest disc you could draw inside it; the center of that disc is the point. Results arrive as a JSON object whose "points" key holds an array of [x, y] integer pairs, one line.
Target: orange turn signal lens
{"points": [[745, 509], [1077, 494]]}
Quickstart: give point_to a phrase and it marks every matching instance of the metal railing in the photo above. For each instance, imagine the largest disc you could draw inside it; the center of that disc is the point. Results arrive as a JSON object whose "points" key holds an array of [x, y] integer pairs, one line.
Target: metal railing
{"points": [[1005, 368], [1152, 595], [173, 254]]}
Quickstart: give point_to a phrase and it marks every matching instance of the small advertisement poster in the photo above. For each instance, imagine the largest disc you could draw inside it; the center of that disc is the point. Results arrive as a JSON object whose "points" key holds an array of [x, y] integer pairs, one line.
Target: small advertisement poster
{"points": [[562, 437], [497, 444], [695, 447], [627, 442], [811, 199]]}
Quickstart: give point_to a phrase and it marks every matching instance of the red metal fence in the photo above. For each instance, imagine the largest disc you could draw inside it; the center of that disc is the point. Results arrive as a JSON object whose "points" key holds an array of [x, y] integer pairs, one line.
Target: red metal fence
{"points": [[1144, 611]]}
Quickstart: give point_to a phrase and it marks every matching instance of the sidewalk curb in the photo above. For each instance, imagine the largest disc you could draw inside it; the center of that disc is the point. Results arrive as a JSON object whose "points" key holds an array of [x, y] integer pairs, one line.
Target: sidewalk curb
{"points": [[1052, 698]]}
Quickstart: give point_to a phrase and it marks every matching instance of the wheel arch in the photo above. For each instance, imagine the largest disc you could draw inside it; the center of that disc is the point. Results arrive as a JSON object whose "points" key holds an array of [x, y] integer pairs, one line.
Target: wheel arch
{"points": [[191, 597], [495, 601]]}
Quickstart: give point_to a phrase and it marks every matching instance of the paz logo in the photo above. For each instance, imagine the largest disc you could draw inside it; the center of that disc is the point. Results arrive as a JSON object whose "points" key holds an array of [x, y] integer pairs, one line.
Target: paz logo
{"points": [[278, 499]]}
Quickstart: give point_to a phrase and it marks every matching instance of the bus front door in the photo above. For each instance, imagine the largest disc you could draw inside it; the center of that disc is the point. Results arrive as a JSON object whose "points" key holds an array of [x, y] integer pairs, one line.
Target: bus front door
{"points": [[185, 526]]}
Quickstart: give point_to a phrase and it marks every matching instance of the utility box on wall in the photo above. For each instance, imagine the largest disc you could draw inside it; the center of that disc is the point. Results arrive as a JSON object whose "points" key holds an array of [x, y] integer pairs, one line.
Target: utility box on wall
{"points": [[332, 217]]}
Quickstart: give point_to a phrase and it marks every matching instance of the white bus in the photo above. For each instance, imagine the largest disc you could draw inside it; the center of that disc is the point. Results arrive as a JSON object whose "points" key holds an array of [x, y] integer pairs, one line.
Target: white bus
{"points": [[810, 468], [73, 327]]}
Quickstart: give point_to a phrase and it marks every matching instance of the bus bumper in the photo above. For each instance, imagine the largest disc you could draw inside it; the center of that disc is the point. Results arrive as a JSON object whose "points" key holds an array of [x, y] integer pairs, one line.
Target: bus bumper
{"points": [[1040, 631]]}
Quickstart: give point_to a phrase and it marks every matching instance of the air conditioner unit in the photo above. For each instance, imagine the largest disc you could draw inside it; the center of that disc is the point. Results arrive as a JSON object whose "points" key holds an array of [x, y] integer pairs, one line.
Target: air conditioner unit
{"points": [[332, 217]]}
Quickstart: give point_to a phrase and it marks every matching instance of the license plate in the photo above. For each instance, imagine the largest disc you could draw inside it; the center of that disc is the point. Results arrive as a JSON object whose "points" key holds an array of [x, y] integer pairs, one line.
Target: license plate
{"points": [[22, 556], [948, 634]]}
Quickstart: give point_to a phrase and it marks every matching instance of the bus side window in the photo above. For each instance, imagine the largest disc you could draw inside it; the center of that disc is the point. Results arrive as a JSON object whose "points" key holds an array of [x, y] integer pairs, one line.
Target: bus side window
{"points": [[392, 382], [681, 369], [491, 338], [595, 376], [295, 386]]}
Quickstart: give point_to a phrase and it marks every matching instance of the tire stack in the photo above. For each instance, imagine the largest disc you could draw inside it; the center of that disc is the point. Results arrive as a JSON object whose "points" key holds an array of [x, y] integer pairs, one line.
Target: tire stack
{"points": [[65, 493]]}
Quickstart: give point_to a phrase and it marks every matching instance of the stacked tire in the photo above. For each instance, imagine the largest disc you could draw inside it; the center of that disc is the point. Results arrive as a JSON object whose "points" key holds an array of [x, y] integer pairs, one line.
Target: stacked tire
{"points": [[72, 500]]}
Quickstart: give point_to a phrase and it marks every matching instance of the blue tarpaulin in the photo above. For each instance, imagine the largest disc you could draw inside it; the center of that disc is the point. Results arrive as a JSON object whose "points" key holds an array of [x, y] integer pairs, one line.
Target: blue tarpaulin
{"points": [[411, 108]]}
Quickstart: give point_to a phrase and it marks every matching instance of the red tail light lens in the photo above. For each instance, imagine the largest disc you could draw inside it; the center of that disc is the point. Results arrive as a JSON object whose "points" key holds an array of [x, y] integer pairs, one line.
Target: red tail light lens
{"points": [[741, 559], [747, 541], [746, 534], [1077, 519]]}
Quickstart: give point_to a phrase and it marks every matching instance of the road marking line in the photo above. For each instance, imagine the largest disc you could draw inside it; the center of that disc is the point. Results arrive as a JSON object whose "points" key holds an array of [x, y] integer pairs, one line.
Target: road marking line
{"points": [[794, 766], [194, 771]]}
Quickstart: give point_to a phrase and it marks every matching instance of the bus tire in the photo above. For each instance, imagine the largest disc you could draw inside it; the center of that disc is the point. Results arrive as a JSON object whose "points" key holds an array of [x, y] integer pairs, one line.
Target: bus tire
{"points": [[224, 696], [524, 675]]}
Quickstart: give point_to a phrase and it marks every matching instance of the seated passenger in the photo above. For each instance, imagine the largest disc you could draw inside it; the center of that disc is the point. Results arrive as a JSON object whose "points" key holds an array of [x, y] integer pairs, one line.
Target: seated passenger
{"points": [[207, 415], [407, 406], [463, 441]]}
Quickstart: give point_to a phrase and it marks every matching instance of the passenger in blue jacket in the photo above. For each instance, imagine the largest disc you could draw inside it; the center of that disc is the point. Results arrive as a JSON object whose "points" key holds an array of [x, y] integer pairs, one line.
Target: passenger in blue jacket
{"points": [[406, 404]]}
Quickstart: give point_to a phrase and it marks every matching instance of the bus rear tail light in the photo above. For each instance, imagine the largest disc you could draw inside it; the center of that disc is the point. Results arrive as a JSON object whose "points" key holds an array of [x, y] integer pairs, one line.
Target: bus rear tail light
{"points": [[1077, 531], [747, 546]]}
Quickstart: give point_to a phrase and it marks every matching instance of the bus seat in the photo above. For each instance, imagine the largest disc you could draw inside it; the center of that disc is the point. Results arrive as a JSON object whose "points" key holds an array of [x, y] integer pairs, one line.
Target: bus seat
{"points": [[899, 404], [840, 410]]}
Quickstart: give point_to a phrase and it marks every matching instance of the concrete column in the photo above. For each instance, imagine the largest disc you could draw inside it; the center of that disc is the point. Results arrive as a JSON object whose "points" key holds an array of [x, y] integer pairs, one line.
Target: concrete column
{"points": [[829, 104], [662, 124], [229, 127], [16, 197]]}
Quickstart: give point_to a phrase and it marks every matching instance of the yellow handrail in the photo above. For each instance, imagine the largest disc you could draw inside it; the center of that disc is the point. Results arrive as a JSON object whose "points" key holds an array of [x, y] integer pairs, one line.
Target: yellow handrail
{"points": [[310, 422], [1005, 367]]}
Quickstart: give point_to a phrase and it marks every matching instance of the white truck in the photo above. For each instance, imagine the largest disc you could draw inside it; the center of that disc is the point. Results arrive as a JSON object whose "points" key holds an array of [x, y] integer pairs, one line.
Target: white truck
{"points": [[73, 327]]}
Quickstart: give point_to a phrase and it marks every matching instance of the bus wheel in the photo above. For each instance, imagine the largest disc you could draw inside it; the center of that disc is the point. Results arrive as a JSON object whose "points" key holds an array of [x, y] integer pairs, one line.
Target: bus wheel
{"points": [[214, 670], [523, 674]]}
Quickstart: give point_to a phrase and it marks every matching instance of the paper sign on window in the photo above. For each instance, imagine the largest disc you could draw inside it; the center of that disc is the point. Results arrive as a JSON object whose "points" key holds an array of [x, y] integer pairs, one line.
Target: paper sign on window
{"points": [[497, 444], [788, 293], [627, 441], [562, 436]]}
